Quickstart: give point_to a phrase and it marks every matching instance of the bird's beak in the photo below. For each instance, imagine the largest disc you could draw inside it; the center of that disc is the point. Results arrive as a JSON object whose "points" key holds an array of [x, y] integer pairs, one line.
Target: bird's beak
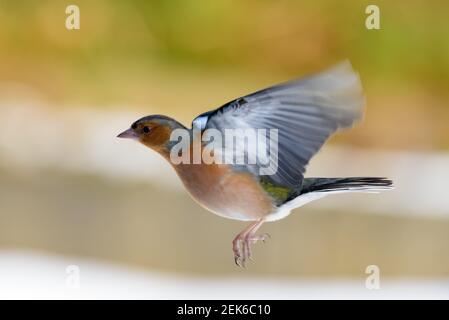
{"points": [[128, 134]]}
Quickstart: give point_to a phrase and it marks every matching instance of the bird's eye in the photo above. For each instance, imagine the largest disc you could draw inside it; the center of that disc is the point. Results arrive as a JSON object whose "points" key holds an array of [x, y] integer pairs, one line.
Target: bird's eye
{"points": [[146, 129]]}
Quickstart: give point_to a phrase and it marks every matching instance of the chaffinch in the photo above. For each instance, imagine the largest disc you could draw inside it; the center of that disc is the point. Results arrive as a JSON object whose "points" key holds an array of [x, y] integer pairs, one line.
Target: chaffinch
{"points": [[304, 113]]}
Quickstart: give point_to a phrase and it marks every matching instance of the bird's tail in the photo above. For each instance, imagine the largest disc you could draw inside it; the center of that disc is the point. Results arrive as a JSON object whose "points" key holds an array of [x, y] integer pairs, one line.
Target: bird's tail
{"points": [[316, 188], [354, 184]]}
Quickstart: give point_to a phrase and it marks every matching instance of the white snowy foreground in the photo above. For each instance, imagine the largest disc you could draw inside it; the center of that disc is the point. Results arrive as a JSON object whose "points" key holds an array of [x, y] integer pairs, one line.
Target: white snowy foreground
{"points": [[35, 275]]}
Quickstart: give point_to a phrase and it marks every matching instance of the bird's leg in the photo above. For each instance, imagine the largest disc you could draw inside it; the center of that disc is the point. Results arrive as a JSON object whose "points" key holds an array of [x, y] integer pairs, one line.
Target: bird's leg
{"points": [[251, 237], [241, 245]]}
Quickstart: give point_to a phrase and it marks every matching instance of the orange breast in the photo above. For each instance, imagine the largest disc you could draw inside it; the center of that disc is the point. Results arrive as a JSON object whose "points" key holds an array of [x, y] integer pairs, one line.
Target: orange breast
{"points": [[230, 194]]}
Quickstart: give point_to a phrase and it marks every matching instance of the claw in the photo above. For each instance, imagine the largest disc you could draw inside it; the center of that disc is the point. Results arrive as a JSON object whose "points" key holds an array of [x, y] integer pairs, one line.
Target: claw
{"points": [[266, 236], [242, 248], [237, 261], [241, 245]]}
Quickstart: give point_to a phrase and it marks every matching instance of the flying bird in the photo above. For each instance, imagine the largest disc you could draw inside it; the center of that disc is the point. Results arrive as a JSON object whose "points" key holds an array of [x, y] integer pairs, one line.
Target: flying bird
{"points": [[305, 112]]}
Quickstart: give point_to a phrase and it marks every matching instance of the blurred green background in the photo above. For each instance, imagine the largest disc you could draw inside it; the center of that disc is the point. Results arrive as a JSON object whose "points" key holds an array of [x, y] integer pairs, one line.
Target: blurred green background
{"points": [[181, 58], [184, 57]]}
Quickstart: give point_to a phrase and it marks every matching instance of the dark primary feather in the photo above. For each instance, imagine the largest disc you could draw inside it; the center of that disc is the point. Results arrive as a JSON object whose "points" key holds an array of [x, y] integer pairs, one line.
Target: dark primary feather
{"points": [[305, 112]]}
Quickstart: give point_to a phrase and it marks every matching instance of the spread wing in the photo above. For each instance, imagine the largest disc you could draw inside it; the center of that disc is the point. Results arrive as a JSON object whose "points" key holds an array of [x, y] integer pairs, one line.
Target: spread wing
{"points": [[305, 113]]}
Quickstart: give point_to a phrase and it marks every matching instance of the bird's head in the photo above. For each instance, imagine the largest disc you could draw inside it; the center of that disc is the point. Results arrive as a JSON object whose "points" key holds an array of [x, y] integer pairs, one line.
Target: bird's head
{"points": [[153, 131]]}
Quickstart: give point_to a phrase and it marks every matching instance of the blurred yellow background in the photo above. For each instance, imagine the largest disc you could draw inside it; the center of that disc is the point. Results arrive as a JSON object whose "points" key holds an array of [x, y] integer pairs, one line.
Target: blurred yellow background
{"points": [[184, 57], [68, 187]]}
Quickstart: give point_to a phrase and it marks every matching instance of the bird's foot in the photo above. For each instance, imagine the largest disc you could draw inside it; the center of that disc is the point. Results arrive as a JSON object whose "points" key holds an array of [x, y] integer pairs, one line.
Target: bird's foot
{"points": [[241, 246]]}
